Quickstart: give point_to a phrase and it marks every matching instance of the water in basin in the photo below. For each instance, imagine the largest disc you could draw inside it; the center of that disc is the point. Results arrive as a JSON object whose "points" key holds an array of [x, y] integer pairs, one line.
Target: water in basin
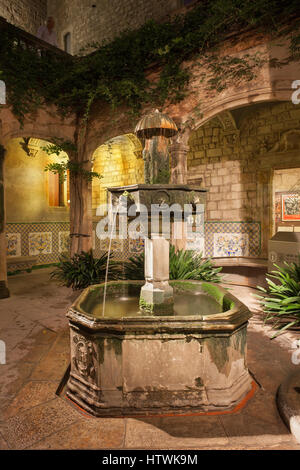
{"points": [[184, 305]]}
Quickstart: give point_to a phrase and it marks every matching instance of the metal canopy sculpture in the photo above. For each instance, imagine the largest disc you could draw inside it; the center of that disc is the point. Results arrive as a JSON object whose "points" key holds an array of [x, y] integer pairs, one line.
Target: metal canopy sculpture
{"points": [[156, 128]]}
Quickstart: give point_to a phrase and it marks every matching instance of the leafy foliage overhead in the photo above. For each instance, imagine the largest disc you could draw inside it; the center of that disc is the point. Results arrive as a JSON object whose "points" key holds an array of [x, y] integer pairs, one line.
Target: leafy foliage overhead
{"points": [[116, 71]]}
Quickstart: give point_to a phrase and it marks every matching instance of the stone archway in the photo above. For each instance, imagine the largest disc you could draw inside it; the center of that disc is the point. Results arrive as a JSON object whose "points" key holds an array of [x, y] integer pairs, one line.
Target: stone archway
{"points": [[37, 213], [120, 163], [45, 124], [233, 156]]}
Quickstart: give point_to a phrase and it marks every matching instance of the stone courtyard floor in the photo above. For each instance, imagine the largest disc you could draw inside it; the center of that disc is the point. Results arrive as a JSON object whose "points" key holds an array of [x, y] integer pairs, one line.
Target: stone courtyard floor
{"points": [[35, 330]]}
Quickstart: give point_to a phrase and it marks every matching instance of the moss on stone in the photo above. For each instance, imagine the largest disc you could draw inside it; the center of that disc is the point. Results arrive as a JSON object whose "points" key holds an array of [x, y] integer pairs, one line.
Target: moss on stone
{"points": [[184, 285], [217, 347], [199, 382], [100, 348], [240, 340], [146, 306], [115, 344], [214, 292], [228, 304]]}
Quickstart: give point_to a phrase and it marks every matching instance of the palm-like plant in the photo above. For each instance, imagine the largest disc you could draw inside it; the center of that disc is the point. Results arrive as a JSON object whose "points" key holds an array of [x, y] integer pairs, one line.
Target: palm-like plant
{"points": [[184, 264], [83, 269], [281, 300], [134, 268]]}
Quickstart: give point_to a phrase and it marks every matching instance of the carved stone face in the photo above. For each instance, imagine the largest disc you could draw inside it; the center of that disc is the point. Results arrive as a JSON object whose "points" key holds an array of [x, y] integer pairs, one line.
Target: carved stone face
{"points": [[83, 359]]}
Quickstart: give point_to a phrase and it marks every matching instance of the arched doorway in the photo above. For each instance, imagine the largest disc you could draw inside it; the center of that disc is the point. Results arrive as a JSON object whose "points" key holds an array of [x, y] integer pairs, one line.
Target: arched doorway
{"points": [[234, 156], [120, 163], [37, 205]]}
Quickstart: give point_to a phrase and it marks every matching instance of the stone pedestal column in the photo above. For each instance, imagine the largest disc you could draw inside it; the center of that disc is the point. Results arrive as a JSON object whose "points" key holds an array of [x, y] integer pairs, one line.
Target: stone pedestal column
{"points": [[178, 235], [157, 295], [4, 292], [178, 152]]}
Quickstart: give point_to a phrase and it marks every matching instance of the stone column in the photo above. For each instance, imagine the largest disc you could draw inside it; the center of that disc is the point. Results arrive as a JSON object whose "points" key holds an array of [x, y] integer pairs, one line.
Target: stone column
{"points": [[178, 235], [157, 295], [178, 152], [4, 292], [263, 204]]}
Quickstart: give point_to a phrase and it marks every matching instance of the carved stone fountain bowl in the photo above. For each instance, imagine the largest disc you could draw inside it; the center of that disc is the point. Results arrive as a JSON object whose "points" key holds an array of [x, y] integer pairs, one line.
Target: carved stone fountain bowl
{"points": [[129, 362]]}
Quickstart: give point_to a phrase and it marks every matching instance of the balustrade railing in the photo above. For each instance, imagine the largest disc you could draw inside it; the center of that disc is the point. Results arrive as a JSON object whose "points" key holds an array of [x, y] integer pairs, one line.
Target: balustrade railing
{"points": [[28, 41]]}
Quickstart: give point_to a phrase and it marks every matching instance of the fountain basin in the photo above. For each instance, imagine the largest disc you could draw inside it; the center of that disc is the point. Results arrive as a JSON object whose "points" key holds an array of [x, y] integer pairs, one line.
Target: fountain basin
{"points": [[131, 363]]}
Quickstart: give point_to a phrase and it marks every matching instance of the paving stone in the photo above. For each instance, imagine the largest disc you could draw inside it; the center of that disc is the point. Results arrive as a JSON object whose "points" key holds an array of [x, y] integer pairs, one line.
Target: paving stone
{"points": [[13, 376], [87, 433], [42, 335], [13, 336], [37, 362], [257, 419], [263, 441], [55, 323], [4, 404], [268, 361], [174, 432], [28, 351], [7, 320], [3, 444], [54, 364], [52, 367], [32, 394], [29, 427]]}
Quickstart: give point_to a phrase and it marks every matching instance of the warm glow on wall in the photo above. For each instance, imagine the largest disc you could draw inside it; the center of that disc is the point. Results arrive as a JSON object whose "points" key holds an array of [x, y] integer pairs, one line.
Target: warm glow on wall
{"points": [[32, 193], [120, 163]]}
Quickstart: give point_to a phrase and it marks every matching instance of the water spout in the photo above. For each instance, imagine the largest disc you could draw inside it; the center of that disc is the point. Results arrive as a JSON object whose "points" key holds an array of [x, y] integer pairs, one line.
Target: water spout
{"points": [[107, 262]]}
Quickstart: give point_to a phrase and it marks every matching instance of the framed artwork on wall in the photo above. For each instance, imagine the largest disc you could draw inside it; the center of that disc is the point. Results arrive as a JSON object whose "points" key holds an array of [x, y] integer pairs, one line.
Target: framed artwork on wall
{"points": [[291, 207]]}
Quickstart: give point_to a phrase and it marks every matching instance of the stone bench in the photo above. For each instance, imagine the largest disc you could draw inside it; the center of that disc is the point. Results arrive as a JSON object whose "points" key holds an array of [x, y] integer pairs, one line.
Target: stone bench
{"points": [[21, 263], [242, 271]]}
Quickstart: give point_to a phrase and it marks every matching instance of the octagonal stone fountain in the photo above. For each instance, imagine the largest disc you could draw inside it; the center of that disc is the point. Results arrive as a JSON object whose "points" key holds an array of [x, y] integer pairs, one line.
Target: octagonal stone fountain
{"points": [[158, 346]]}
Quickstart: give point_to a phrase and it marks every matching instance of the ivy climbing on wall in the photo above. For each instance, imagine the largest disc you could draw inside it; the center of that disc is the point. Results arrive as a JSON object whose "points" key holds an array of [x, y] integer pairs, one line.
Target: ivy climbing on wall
{"points": [[116, 71]]}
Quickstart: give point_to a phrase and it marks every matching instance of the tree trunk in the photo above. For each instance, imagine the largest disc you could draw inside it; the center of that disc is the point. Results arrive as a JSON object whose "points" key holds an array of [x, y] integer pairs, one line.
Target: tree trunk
{"points": [[81, 223]]}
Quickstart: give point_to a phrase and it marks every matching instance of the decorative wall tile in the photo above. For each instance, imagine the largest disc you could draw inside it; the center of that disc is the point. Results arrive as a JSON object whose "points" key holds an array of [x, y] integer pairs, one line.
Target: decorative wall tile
{"points": [[116, 245], [231, 244], [196, 244], [63, 242], [39, 227], [136, 246], [253, 230], [127, 248], [40, 243], [13, 241]]}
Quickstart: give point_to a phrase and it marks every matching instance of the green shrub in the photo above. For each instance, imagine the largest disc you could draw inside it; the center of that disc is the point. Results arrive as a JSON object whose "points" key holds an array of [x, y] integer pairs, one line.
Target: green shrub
{"points": [[281, 299], [184, 264], [134, 268], [83, 269]]}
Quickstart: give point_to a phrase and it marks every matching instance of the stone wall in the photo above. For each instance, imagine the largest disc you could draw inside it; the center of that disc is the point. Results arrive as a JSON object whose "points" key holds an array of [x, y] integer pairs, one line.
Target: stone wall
{"points": [[235, 155], [26, 14], [120, 163], [26, 184], [97, 20], [33, 227]]}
